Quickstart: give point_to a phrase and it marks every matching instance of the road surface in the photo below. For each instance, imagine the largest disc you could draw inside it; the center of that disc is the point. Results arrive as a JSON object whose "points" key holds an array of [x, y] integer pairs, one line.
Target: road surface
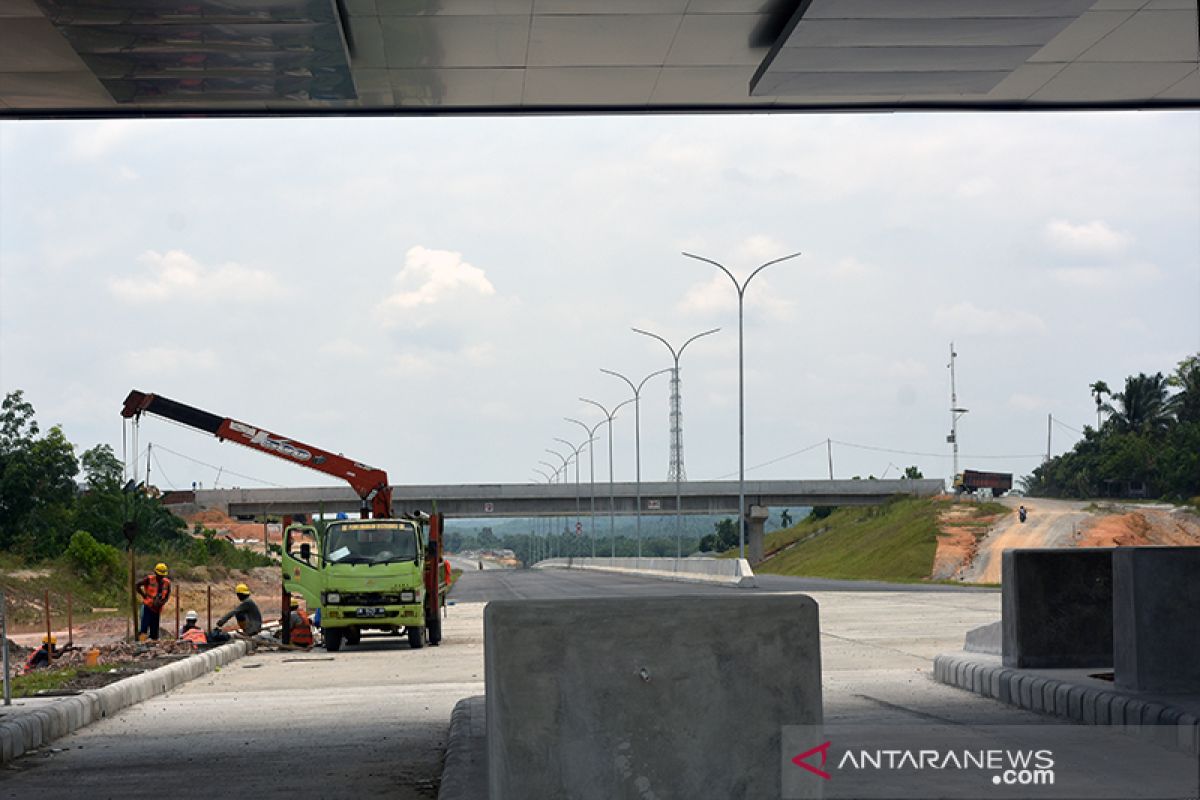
{"points": [[372, 720], [1050, 523]]}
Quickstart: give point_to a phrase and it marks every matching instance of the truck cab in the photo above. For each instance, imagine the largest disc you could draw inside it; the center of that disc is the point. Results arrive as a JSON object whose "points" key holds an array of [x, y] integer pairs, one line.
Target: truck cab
{"points": [[364, 575]]}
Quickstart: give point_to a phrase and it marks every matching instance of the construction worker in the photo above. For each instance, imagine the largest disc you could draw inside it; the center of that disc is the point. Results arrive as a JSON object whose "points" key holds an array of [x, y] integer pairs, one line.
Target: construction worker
{"points": [[299, 628], [191, 632], [155, 591], [44, 655], [249, 618]]}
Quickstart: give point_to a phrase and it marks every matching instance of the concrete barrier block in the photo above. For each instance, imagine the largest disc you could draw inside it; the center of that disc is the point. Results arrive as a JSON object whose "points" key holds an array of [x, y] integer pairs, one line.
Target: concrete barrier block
{"points": [[1057, 607], [1037, 696], [625, 697], [1062, 702], [1156, 618], [1075, 702]]}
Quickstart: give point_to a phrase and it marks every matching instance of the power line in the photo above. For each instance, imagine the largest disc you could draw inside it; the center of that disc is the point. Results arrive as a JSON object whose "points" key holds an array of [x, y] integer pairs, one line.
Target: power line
{"points": [[222, 469], [773, 461], [1065, 425], [158, 464], [929, 455]]}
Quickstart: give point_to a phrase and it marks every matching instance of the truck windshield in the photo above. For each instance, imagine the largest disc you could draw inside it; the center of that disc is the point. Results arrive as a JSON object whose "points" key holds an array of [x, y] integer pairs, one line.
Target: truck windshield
{"points": [[370, 543]]}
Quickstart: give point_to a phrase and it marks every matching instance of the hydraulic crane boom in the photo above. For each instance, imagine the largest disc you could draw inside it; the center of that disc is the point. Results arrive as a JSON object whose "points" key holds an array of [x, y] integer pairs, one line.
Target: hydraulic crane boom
{"points": [[370, 483]]}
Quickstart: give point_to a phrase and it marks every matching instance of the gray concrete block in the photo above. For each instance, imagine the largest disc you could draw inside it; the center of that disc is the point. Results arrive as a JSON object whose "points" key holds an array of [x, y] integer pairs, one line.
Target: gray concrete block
{"points": [[1075, 702], [1057, 608], [1188, 732], [1062, 703], [1089, 701], [1156, 618], [985, 639], [1037, 699], [1048, 703], [1103, 709], [672, 697]]}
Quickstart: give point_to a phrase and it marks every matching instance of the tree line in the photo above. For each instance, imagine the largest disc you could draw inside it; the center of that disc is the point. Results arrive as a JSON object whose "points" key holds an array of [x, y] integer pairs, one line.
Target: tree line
{"points": [[1146, 442]]}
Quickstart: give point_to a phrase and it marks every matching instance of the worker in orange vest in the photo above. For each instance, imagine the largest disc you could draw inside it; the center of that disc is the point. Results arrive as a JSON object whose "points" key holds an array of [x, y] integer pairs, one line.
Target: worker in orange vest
{"points": [[191, 631], [155, 591], [44, 656], [299, 628]]}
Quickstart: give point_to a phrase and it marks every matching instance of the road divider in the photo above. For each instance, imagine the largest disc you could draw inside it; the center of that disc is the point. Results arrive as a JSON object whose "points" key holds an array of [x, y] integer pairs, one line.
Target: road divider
{"points": [[38, 721], [728, 571]]}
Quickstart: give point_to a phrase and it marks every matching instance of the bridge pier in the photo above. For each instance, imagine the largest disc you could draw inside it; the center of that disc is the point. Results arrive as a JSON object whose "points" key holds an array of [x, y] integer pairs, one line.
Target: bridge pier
{"points": [[757, 519]]}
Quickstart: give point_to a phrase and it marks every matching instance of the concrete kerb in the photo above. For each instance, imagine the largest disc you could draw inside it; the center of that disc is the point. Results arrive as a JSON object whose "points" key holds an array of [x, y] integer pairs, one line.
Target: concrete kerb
{"points": [[36, 727], [1072, 695], [464, 775], [735, 572]]}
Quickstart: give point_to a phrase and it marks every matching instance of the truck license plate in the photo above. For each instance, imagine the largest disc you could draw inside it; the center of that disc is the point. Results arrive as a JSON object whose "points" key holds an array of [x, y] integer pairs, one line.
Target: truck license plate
{"points": [[371, 612]]}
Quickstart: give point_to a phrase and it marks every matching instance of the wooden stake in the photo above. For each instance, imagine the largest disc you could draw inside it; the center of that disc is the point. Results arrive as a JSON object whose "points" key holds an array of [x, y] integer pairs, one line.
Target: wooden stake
{"points": [[46, 605], [209, 627], [70, 621], [176, 593]]}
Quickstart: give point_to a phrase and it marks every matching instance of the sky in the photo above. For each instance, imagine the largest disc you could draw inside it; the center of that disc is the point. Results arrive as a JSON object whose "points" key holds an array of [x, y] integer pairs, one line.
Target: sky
{"points": [[432, 296]]}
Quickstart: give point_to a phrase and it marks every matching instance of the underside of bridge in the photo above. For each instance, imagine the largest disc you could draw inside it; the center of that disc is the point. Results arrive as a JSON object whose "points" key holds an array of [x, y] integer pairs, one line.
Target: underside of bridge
{"points": [[111, 58]]}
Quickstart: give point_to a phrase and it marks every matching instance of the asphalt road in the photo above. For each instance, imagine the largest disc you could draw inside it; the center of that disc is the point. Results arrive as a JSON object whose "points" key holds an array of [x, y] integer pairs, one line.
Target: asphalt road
{"points": [[372, 720]]}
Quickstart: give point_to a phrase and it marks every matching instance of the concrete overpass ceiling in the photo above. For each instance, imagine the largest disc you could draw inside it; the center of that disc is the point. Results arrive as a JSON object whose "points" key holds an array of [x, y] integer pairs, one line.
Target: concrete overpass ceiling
{"points": [[184, 57]]}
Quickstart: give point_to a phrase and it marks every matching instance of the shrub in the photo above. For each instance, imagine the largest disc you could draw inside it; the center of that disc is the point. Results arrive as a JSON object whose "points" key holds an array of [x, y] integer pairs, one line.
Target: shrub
{"points": [[96, 562]]}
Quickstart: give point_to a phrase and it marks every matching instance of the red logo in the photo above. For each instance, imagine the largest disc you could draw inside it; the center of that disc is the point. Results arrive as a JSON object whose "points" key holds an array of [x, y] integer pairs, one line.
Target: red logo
{"points": [[823, 749]]}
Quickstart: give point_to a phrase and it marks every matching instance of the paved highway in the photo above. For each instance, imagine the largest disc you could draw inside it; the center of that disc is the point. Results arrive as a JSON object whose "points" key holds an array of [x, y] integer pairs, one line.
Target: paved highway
{"points": [[372, 720]]}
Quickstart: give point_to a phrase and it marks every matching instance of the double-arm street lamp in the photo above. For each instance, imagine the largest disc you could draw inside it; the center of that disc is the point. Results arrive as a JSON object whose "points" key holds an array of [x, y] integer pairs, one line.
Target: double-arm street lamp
{"points": [[591, 434], [676, 471], [741, 293], [549, 479], [565, 461], [576, 450], [637, 439], [609, 416]]}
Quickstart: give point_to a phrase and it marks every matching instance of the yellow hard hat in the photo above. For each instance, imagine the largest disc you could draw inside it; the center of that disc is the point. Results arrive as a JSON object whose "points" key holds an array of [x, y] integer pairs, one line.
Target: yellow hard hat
{"points": [[242, 588], [49, 639], [160, 568], [294, 603]]}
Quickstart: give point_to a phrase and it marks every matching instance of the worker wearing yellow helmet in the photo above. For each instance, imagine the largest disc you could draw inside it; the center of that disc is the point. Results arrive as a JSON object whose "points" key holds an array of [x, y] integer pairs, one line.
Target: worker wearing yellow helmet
{"points": [[249, 618], [44, 655], [155, 591]]}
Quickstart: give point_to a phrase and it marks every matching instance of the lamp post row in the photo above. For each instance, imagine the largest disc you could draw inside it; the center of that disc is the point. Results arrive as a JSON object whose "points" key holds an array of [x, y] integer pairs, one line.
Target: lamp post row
{"points": [[676, 432]]}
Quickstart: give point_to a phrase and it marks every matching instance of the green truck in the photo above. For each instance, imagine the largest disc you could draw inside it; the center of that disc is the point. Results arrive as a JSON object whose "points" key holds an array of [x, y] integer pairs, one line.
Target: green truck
{"points": [[369, 575]]}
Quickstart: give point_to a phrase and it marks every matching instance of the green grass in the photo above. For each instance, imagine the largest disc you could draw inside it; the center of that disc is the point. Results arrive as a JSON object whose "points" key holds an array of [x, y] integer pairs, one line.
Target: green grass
{"points": [[43, 680], [892, 542]]}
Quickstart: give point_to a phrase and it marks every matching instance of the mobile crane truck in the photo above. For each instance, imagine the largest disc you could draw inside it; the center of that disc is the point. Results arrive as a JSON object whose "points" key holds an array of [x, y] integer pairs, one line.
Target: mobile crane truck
{"points": [[376, 573]]}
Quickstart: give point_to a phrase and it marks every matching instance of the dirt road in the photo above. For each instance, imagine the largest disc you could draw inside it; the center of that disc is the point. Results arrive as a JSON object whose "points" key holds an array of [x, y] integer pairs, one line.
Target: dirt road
{"points": [[1051, 523]]}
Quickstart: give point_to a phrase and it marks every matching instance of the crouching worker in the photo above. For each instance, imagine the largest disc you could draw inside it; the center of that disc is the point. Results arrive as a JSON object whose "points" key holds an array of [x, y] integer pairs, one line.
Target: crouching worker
{"points": [[249, 618], [190, 632], [299, 627], [44, 656]]}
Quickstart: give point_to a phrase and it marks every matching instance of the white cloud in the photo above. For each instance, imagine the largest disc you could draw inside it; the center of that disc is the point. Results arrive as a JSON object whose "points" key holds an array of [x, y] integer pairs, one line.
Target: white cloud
{"points": [[967, 318], [430, 276], [170, 359], [1093, 238], [176, 274], [96, 140], [717, 295], [342, 348], [1027, 402], [1106, 277], [907, 368]]}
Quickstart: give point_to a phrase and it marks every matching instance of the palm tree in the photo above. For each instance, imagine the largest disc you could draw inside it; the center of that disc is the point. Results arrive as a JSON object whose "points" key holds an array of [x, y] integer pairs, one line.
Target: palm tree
{"points": [[1186, 404], [1099, 389], [1143, 407]]}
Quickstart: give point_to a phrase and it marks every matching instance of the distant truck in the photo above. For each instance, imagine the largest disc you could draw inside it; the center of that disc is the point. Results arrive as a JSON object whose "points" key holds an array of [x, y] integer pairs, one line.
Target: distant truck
{"points": [[969, 481]]}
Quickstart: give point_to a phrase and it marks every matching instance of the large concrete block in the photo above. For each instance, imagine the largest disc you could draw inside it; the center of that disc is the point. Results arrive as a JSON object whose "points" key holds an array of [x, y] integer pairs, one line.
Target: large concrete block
{"points": [[1058, 607], [1156, 618], [673, 697]]}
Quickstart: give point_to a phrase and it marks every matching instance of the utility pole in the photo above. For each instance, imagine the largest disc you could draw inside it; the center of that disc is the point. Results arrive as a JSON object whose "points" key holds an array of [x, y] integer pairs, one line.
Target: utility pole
{"points": [[1049, 430], [955, 413], [829, 452]]}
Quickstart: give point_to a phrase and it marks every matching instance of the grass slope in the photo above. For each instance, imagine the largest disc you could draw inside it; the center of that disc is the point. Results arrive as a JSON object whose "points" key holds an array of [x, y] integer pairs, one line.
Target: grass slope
{"points": [[891, 542]]}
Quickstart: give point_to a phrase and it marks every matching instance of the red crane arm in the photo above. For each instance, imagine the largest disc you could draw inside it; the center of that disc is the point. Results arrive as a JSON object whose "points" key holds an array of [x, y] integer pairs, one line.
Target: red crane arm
{"points": [[370, 483]]}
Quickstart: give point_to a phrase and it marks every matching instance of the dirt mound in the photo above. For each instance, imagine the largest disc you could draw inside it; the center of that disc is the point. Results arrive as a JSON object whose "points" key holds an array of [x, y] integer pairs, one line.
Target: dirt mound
{"points": [[1141, 528], [960, 529]]}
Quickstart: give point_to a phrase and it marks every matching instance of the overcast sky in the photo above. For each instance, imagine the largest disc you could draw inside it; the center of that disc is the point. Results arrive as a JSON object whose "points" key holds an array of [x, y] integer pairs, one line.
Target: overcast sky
{"points": [[431, 296]]}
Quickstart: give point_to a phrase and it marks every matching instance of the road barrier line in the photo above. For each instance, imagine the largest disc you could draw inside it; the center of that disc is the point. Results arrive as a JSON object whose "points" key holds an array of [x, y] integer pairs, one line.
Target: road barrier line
{"points": [[32, 728], [734, 572]]}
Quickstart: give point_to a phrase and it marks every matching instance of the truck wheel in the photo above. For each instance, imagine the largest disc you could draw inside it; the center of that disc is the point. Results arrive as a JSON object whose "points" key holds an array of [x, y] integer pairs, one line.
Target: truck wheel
{"points": [[333, 640], [434, 626], [353, 636], [416, 637]]}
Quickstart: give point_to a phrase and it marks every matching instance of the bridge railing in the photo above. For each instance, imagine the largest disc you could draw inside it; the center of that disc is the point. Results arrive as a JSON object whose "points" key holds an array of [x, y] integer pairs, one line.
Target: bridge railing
{"points": [[729, 571]]}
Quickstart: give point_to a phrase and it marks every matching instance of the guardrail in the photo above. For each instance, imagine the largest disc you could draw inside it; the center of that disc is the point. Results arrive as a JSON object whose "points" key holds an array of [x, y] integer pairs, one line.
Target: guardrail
{"points": [[727, 571]]}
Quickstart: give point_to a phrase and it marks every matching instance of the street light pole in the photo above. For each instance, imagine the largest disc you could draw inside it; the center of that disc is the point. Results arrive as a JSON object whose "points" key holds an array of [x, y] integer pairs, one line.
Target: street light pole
{"points": [[591, 434], [576, 450], [550, 520], [549, 480], [637, 440], [741, 293], [676, 471], [565, 462], [612, 526]]}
